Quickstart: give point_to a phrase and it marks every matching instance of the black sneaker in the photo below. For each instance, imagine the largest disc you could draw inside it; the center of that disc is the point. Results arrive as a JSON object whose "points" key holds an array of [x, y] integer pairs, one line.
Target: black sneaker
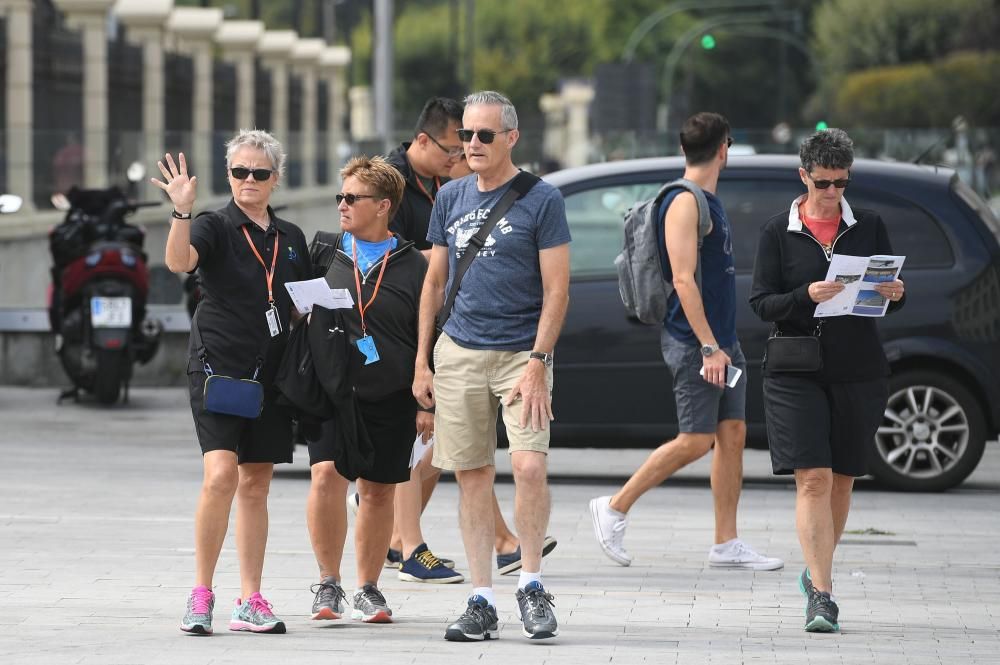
{"points": [[535, 607], [806, 583], [329, 600], [479, 622], [511, 562], [370, 606], [821, 613]]}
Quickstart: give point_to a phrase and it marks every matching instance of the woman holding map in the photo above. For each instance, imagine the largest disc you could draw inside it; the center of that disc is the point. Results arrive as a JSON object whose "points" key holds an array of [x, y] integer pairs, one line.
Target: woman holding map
{"points": [[825, 379]]}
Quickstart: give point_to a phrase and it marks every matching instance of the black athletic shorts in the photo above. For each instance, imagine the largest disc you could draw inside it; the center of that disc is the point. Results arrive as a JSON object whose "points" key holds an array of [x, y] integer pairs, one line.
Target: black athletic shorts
{"points": [[392, 427], [266, 439], [812, 425]]}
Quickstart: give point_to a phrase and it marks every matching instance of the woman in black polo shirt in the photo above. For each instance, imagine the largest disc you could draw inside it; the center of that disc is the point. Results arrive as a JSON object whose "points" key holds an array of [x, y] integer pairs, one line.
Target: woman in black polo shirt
{"points": [[244, 255]]}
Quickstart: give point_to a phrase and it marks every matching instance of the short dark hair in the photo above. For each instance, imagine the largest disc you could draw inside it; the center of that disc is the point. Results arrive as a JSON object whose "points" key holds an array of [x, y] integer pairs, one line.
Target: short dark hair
{"points": [[701, 136], [829, 148], [437, 113]]}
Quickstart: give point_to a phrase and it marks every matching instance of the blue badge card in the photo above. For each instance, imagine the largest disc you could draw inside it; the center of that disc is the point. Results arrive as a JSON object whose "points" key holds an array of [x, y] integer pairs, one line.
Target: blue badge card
{"points": [[366, 345]]}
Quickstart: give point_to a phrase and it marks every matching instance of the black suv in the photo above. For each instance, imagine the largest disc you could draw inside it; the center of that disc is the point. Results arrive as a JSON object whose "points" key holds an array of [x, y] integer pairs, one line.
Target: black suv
{"points": [[613, 389]]}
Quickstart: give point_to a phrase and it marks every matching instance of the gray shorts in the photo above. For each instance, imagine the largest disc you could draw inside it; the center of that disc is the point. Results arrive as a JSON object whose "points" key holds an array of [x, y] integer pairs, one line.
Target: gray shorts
{"points": [[700, 405]]}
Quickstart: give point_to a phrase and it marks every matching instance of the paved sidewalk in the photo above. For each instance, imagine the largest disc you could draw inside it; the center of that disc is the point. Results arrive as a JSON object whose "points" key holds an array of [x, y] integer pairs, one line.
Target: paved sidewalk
{"points": [[96, 562]]}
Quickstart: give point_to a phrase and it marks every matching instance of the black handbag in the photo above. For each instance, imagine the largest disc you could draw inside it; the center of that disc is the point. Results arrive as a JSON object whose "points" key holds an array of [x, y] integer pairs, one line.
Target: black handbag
{"points": [[794, 353]]}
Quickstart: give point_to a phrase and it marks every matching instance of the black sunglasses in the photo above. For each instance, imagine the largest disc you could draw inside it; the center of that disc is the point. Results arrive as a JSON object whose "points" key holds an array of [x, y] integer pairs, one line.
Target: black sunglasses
{"points": [[485, 135], [241, 173], [451, 152], [729, 141], [839, 183], [353, 198]]}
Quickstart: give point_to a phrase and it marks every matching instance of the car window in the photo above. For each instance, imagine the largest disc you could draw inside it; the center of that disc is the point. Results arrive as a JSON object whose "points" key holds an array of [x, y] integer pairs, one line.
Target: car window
{"points": [[750, 202], [913, 232], [595, 220]]}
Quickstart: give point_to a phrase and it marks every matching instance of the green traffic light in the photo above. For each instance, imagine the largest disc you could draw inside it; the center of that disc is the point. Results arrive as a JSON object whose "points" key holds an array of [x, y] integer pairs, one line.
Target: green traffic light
{"points": [[821, 125], [708, 42]]}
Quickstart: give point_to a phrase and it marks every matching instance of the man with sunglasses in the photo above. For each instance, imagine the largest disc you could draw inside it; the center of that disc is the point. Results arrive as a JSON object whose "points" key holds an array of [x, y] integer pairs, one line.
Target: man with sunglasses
{"points": [[700, 347], [496, 346]]}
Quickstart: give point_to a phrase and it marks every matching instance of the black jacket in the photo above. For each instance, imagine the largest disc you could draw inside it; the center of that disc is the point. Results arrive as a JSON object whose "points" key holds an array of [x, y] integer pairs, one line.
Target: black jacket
{"points": [[789, 258], [414, 214]]}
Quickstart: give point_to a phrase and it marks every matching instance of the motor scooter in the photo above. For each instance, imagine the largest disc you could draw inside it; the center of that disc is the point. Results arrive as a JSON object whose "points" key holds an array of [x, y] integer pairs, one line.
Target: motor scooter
{"points": [[100, 283]]}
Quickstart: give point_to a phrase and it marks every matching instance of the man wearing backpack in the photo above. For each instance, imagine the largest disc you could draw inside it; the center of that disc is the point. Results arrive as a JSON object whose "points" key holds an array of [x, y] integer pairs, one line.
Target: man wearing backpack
{"points": [[699, 343]]}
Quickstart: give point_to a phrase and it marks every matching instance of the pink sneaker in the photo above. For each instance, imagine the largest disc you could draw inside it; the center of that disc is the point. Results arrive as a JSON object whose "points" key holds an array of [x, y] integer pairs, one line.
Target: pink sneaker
{"points": [[255, 615], [198, 618]]}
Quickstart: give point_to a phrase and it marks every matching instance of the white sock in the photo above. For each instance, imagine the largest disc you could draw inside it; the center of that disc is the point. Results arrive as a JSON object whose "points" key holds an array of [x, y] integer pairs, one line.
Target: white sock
{"points": [[487, 593], [528, 578], [722, 547]]}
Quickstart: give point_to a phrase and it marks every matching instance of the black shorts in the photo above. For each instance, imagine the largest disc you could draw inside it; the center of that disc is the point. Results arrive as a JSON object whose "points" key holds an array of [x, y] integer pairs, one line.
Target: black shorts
{"points": [[392, 427], [266, 439], [812, 425]]}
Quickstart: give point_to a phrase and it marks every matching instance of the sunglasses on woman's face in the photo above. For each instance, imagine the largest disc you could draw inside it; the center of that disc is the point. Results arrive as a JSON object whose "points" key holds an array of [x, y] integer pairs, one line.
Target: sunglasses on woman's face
{"points": [[242, 172], [352, 198], [839, 183], [485, 135]]}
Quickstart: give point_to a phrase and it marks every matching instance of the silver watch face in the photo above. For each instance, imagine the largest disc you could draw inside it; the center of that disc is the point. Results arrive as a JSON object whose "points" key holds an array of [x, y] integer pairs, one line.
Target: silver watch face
{"points": [[708, 350]]}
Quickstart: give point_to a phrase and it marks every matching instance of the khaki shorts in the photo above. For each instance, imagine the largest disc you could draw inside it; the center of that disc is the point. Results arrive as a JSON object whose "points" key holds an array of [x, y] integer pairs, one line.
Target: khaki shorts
{"points": [[469, 385]]}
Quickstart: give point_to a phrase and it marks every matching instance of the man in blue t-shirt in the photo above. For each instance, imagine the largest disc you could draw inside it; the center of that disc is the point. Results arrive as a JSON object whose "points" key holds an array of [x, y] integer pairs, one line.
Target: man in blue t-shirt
{"points": [[496, 346], [700, 347]]}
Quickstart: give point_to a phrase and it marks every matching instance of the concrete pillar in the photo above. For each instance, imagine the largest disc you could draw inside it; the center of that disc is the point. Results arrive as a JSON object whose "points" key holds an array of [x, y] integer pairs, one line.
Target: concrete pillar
{"points": [[238, 40], [275, 51], [145, 22], [194, 29], [20, 160], [91, 18], [577, 97], [362, 113], [334, 63], [305, 59], [554, 136]]}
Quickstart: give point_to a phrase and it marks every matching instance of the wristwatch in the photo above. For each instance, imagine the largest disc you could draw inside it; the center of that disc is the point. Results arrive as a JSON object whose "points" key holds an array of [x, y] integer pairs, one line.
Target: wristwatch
{"points": [[546, 358], [709, 349]]}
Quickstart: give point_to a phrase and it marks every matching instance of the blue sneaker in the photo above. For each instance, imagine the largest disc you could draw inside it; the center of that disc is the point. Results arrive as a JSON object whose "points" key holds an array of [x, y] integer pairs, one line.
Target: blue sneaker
{"points": [[511, 563], [423, 566]]}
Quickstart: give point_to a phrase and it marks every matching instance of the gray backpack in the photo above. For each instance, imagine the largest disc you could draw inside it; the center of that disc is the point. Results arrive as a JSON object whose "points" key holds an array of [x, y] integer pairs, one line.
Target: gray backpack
{"points": [[643, 287]]}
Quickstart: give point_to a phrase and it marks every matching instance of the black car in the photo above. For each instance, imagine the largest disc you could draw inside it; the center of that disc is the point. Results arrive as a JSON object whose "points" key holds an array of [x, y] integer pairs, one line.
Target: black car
{"points": [[613, 389]]}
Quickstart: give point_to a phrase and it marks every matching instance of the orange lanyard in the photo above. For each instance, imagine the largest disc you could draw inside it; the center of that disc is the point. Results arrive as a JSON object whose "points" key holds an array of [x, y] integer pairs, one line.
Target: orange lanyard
{"points": [[420, 184], [357, 282], [274, 260]]}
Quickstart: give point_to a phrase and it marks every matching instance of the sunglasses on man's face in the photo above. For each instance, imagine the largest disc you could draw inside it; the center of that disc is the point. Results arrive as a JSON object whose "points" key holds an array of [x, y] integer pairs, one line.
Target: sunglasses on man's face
{"points": [[352, 198], [485, 135], [839, 183], [242, 172]]}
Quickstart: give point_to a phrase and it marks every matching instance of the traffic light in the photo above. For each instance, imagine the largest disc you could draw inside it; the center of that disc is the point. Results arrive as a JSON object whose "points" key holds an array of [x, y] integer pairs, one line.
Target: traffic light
{"points": [[708, 42], [821, 125]]}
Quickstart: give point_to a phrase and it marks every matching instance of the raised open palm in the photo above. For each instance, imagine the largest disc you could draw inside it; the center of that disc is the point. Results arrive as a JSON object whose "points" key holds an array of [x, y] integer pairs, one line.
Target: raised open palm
{"points": [[179, 187]]}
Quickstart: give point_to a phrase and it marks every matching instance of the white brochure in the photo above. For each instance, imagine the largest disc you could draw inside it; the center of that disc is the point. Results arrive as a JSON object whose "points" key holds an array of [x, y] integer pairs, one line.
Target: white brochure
{"points": [[419, 449], [859, 274], [318, 292]]}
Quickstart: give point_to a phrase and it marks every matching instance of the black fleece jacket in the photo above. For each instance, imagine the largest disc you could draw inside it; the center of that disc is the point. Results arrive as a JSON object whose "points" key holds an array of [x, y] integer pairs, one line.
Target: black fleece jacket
{"points": [[391, 319], [789, 258], [414, 214]]}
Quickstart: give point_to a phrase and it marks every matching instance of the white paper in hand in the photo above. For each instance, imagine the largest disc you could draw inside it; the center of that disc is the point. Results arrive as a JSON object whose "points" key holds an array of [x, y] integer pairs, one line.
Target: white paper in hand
{"points": [[419, 449], [317, 292]]}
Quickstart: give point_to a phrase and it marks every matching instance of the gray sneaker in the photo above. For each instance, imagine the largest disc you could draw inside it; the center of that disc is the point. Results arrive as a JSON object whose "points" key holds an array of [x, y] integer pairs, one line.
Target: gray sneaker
{"points": [[535, 608], [478, 622], [328, 603], [254, 615], [370, 606], [198, 617]]}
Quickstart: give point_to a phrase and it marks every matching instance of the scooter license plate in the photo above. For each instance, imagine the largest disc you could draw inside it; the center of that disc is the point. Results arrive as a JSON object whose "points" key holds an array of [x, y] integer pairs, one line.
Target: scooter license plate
{"points": [[111, 312]]}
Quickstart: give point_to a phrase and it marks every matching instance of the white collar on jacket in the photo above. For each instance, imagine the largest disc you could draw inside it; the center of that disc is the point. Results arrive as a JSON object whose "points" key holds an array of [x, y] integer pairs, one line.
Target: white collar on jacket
{"points": [[795, 222]]}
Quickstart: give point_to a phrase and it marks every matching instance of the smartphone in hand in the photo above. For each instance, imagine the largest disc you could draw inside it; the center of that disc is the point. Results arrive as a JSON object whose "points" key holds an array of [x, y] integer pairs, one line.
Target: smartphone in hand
{"points": [[733, 375]]}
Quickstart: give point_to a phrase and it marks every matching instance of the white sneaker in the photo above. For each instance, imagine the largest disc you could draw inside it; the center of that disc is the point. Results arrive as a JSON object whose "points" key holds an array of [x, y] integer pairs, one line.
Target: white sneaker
{"points": [[609, 528], [737, 554], [353, 503]]}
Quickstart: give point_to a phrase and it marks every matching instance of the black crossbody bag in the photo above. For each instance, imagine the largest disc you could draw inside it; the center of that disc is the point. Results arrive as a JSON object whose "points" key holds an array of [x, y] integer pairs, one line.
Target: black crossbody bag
{"points": [[794, 353]]}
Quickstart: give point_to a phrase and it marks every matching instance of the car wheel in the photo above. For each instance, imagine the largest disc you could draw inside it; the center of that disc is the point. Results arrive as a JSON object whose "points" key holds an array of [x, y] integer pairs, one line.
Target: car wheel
{"points": [[932, 435]]}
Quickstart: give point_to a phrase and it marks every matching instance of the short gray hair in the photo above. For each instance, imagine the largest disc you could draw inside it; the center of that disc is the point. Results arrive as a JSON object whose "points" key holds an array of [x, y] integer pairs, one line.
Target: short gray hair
{"points": [[827, 148], [261, 140], [508, 114]]}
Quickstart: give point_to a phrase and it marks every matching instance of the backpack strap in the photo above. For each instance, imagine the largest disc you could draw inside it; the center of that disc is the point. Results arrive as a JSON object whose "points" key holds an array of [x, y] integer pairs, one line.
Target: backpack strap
{"points": [[322, 251], [704, 215]]}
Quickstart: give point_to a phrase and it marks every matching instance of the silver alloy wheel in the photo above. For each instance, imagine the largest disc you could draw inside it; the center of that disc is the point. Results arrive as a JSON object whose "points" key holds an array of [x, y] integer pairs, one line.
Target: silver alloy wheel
{"points": [[925, 432]]}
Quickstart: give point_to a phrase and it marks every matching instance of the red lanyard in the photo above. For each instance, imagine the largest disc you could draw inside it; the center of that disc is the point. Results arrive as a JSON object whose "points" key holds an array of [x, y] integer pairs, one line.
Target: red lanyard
{"points": [[357, 281], [274, 261], [420, 184]]}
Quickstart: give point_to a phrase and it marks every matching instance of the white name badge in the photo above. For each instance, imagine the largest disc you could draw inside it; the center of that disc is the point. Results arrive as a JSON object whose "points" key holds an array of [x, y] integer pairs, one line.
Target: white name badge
{"points": [[273, 322]]}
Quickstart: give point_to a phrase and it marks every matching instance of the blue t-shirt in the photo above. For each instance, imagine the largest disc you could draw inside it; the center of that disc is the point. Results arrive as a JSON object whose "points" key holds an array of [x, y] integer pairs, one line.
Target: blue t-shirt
{"points": [[718, 278], [500, 300]]}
